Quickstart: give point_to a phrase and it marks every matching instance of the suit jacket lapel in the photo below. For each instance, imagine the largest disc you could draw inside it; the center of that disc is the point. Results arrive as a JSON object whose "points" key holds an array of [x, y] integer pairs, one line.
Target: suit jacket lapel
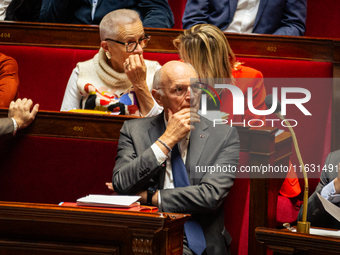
{"points": [[262, 5], [157, 129], [197, 142]]}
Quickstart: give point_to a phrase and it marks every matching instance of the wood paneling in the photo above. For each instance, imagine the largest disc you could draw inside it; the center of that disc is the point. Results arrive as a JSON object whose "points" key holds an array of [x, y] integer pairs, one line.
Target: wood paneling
{"points": [[286, 242], [50, 229]]}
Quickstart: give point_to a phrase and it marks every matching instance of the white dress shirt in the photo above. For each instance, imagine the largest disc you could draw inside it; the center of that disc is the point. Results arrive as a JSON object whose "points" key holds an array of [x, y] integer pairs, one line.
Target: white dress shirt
{"points": [[3, 8], [94, 6], [161, 158], [244, 18]]}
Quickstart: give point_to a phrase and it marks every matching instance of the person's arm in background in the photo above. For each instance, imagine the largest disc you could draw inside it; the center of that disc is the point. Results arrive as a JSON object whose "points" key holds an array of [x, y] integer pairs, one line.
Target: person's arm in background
{"points": [[72, 96], [58, 11], [316, 214], [156, 13], [24, 10], [293, 20], [19, 116], [9, 80], [6, 127], [196, 12]]}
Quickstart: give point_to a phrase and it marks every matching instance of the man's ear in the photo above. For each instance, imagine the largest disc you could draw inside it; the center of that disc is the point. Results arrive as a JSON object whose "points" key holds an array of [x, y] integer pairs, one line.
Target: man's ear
{"points": [[104, 45], [157, 96]]}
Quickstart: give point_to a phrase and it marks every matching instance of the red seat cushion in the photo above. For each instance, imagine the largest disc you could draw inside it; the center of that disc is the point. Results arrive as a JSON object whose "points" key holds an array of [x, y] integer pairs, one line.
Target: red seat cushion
{"points": [[55, 170]]}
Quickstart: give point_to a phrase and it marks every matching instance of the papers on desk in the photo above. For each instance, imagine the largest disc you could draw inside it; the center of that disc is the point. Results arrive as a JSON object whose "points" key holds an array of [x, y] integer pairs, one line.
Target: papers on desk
{"points": [[331, 208], [279, 132], [109, 201], [323, 232]]}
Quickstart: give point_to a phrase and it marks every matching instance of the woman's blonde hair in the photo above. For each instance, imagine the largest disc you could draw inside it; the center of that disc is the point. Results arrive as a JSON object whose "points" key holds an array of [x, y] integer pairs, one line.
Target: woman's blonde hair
{"points": [[207, 49]]}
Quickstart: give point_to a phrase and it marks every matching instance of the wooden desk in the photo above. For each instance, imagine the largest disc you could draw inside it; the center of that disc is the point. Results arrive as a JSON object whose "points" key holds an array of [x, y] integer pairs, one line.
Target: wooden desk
{"points": [[51, 229], [286, 242]]}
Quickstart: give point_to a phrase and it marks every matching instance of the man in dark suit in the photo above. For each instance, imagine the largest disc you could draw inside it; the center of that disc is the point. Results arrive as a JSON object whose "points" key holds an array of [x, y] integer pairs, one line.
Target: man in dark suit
{"points": [[19, 116], [147, 159], [153, 13], [23, 10], [329, 188], [279, 17]]}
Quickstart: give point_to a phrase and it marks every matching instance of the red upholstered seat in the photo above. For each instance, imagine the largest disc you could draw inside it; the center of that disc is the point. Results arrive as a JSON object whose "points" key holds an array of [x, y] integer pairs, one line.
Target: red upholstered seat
{"points": [[43, 73], [282, 68], [317, 25], [83, 55], [53, 170], [177, 7], [236, 208]]}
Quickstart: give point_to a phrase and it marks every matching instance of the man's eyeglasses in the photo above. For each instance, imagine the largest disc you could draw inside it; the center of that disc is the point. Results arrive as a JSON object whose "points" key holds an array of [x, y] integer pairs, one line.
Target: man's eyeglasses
{"points": [[181, 90], [131, 46]]}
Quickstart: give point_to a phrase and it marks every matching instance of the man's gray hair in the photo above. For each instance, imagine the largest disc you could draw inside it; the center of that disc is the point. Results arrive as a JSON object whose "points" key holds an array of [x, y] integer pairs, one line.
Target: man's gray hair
{"points": [[109, 26], [157, 82]]}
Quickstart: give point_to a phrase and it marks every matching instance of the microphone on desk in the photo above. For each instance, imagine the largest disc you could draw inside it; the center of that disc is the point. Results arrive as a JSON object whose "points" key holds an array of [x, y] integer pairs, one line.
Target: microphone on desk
{"points": [[302, 226]]}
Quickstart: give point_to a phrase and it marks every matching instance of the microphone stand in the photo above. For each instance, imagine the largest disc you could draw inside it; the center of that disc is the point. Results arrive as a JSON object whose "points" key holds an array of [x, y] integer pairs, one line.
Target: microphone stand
{"points": [[302, 226]]}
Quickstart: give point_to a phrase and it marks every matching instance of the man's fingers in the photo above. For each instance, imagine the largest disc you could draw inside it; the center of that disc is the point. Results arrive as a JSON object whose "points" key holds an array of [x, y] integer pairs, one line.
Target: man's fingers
{"points": [[192, 110], [109, 185], [194, 119], [29, 102], [192, 128], [11, 104], [34, 111], [24, 101], [18, 101]]}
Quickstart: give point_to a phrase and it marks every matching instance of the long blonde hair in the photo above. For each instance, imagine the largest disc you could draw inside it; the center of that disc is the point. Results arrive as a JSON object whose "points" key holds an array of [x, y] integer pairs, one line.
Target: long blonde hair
{"points": [[207, 49]]}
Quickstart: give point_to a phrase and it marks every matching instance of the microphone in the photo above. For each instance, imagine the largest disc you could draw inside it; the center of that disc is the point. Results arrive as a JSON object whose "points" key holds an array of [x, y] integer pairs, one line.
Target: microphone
{"points": [[302, 226], [269, 102]]}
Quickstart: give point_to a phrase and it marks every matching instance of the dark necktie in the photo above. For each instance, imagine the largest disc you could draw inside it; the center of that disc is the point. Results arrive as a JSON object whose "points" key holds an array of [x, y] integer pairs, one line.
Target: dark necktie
{"points": [[193, 229]]}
